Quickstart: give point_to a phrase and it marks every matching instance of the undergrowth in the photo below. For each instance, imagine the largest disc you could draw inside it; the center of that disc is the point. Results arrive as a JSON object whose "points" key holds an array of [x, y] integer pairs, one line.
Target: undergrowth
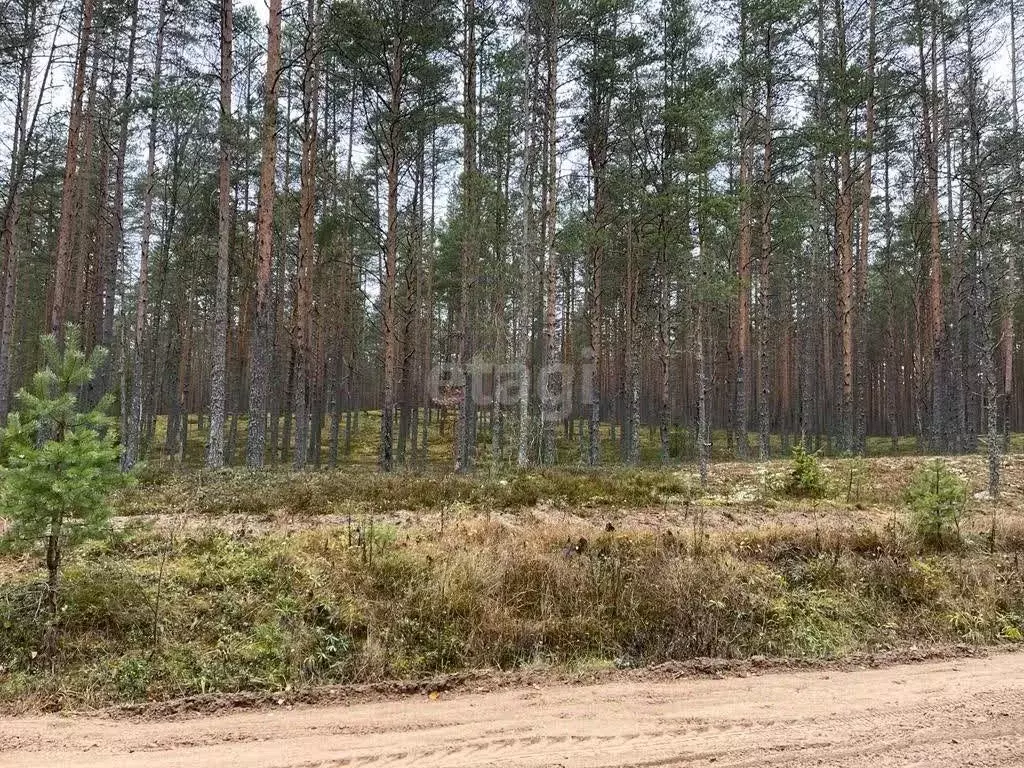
{"points": [[262, 493], [937, 499], [806, 478], [149, 616]]}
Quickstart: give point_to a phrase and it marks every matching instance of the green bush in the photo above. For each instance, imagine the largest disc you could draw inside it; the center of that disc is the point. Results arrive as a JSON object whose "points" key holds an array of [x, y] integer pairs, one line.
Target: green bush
{"points": [[937, 499], [59, 463], [806, 478]]}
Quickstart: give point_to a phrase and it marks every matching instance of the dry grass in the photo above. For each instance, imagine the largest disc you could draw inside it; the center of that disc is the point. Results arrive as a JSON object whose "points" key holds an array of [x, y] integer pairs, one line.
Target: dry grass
{"points": [[500, 572], [263, 613], [259, 495]]}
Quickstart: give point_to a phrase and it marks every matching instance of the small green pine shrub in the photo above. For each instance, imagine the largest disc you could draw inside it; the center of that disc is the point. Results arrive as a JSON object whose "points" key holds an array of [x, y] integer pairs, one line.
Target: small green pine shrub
{"points": [[59, 463], [937, 500], [806, 478]]}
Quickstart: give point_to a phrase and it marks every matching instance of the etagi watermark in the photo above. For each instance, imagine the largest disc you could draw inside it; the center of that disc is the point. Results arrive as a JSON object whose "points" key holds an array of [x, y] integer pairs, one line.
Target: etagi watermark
{"points": [[508, 383]]}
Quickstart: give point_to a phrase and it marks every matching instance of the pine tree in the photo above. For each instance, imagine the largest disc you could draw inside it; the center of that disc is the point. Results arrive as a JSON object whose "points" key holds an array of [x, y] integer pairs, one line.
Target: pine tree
{"points": [[219, 349], [261, 348], [60, 462]]}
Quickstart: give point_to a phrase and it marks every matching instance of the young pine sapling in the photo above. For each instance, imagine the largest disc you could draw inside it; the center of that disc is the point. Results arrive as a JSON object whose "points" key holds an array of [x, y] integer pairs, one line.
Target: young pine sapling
{"points": [[59, 463]]}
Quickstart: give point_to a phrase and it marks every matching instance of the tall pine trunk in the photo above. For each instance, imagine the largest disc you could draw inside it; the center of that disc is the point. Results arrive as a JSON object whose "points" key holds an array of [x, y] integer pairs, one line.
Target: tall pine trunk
{"points": [[703, 422], [861, 320], [389, 331], [219, 348], [116, 244], [742, 333], [307, 203], [132, 440], [58, 298], [261, 349], [763, 285], [469, 245], [526, 250], [549, 397], [933, 335]]}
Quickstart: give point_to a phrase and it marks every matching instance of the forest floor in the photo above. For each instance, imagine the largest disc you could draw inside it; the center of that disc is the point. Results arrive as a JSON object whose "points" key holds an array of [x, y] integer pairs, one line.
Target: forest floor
{"points": [[258, 587], [863, 494]]}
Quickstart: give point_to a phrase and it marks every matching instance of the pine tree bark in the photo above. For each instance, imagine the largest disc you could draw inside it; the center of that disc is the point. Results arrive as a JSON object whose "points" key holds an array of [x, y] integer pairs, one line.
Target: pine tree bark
{"points": [[549, 409], [861, 351], [664, 399], [765, 257], [891, 352], [703, 422], [526, 250], [87, 191], [219, 346], [743, 256], [343, 384], [597, 139], [57, 311], [260, 354], [1007, 330], [844, 244], [470, 234], [425, 372], [396, 76], [934, 335], [307, 204], [631, 355]]}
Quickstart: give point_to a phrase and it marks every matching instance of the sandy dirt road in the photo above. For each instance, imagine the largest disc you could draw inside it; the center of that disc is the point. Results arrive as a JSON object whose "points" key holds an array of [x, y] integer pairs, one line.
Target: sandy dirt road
{"points": [[951, 713]]}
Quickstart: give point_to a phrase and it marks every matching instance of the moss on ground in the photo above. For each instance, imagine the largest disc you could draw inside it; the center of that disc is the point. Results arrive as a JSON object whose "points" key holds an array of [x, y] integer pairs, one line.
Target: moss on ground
{"points": [[361, 489]]}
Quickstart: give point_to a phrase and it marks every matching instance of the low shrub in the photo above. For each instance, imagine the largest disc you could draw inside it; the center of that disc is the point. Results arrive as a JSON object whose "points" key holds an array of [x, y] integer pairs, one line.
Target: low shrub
{"points": [[806, 478], [937, 500]]}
